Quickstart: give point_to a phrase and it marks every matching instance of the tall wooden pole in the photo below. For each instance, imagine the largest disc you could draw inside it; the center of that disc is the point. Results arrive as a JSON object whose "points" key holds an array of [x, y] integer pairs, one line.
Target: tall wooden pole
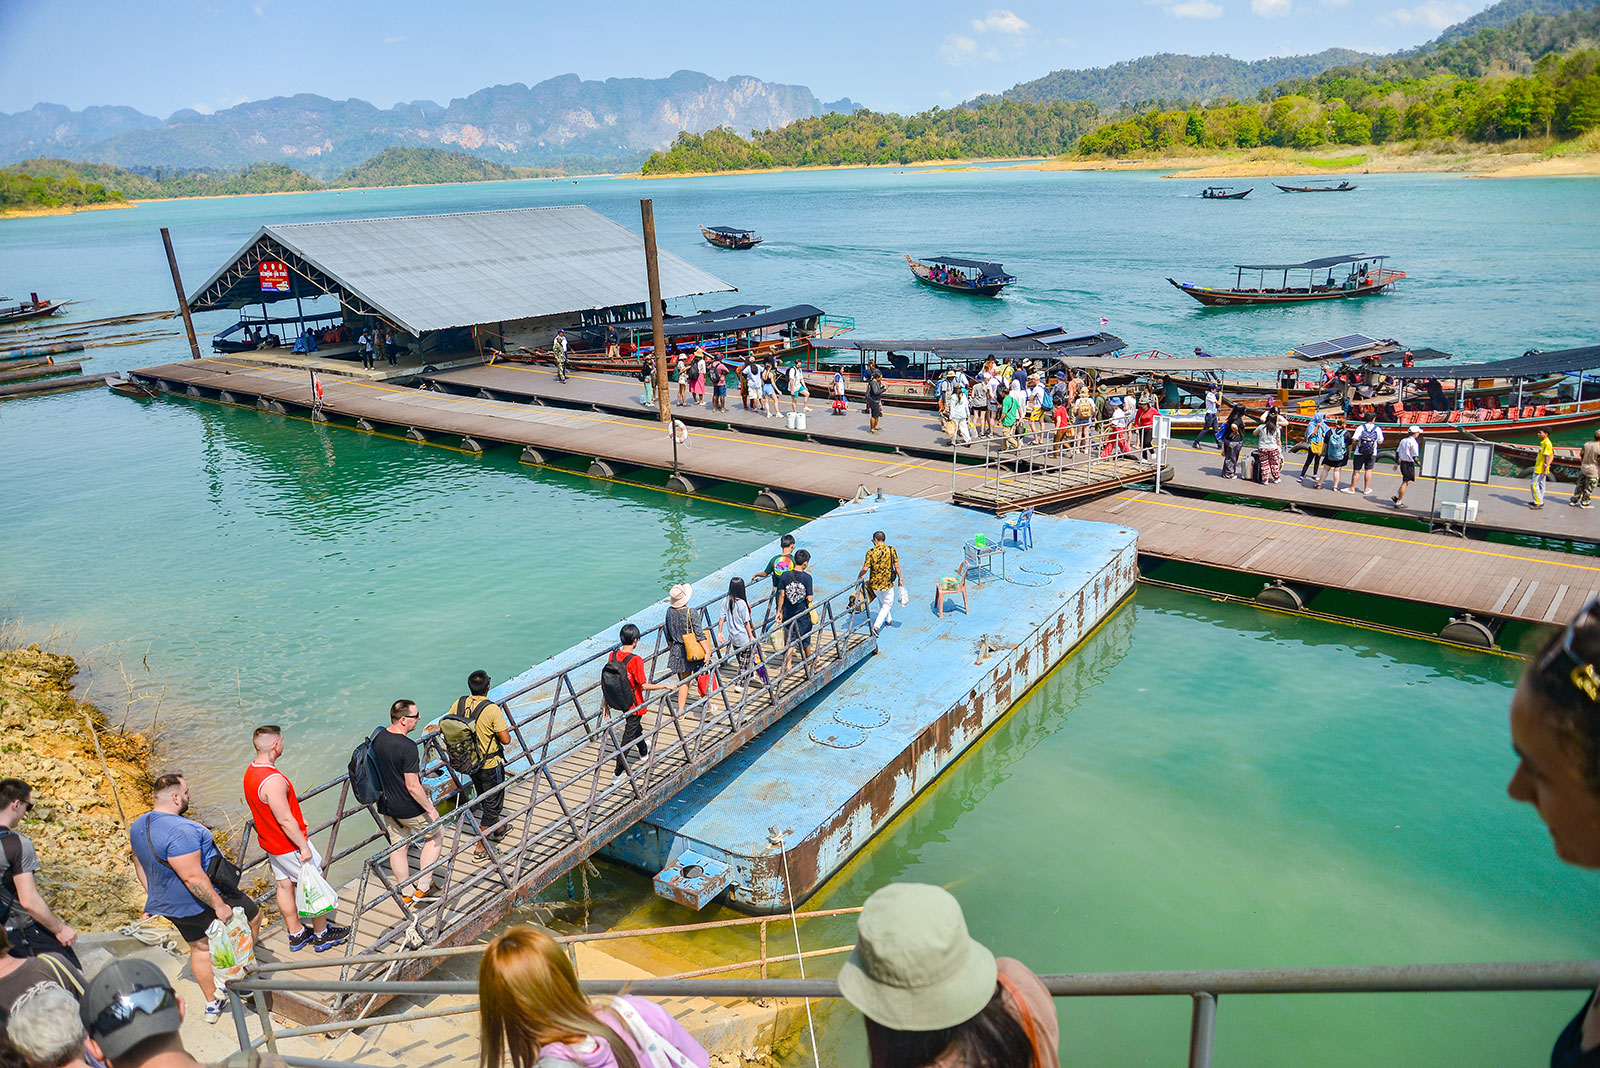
{"points": [[653, 276], [183, 302]]}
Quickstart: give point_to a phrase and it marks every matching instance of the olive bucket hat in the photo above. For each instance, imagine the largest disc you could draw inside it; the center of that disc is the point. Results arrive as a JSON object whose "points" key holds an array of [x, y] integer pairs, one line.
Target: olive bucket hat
{"points": [[914, 967]]}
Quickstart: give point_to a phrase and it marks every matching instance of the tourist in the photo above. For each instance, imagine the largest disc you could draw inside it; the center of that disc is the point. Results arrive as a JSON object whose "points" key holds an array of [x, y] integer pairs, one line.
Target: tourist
{"points": [[1555, 733], [978, 400], [798, 393], [1543, 458], [638, 684], [1061, 418], [840, 406], [47, 1030], [1083, 413], [794, 589], [676, 624], [737, 629], [769, 391], [403, 804], [960, 417], [875, 391], [281, 833], [365, 344], [132, 1016], [1316, 433], [1269, 448], [647, 376], [36, 929], [781, 561], [1034, 405], [558, 348], [613, 344], [1588, 473], [719, 384], [1144, 427], [1336, 452], [752, 384], [533, 1012], [1010, 417], [22, 977], [391, 347], [1406, 454], [931, 994], [698, 369], [881, 570], [1213, 404], [1232, 442], [172, 854], [493, 729], [1198, 351], [680, 376], [1116, 443], [1364, 453]]}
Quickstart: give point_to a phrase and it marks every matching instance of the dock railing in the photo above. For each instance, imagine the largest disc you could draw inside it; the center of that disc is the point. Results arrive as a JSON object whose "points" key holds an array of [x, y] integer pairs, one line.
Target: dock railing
{"points": [[562, 799], [1204, 988], [1027, 466]]}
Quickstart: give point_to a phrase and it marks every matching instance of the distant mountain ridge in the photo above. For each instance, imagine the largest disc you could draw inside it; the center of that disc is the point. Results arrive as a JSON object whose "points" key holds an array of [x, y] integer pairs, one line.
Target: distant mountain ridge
{"points": [[1168, 76], [1504, 13], [599, 124]]}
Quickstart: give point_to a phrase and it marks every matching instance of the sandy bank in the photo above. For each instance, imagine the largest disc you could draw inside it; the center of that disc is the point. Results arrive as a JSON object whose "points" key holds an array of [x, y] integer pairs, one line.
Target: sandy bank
{"points": [[1331, 160], [32, 213], [82, 841]]}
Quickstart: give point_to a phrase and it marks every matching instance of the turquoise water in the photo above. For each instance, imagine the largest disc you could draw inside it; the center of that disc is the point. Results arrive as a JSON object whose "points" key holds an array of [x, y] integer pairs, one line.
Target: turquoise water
{"points": [[1203, 786]]}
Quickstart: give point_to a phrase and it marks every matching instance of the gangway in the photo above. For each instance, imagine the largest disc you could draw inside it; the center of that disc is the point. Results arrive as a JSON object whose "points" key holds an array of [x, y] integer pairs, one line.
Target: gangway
{"points": [[1091, 459], [563, 801]]}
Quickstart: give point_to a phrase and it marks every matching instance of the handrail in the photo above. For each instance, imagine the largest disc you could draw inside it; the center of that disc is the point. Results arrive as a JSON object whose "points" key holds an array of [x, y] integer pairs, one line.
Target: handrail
{"points": [[1024, 461]]}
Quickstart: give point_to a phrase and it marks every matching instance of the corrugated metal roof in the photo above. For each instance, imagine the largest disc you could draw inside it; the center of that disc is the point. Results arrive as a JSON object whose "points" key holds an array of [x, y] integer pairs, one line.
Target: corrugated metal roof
{"points": [[431, 272]]}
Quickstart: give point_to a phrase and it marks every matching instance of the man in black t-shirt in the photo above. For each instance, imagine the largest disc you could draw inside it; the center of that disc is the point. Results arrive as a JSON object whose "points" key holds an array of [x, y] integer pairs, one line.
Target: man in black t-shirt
{"points": [[793, 590], [404, 805]]}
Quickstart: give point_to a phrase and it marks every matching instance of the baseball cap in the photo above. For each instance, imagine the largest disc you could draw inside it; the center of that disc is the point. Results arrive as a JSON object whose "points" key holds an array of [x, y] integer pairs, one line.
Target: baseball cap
{"points": [[127, 1002]]}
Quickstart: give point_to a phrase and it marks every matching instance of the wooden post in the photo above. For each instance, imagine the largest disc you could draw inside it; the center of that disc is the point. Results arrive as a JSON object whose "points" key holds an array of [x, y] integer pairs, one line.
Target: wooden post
{"points": [[183, 302], [653, 276]]}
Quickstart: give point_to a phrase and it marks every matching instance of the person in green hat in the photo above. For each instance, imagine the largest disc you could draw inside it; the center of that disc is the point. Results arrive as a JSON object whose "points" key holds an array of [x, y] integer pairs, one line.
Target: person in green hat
{"points": [[932, 994]]}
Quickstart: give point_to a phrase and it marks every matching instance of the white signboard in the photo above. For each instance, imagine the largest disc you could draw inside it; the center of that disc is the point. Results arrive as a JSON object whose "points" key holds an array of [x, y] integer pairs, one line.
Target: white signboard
{"points": [[1463, 461]]}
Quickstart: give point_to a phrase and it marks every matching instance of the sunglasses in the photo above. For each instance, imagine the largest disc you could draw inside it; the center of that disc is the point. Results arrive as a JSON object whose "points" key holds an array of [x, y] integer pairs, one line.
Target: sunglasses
{"points": [[1583, 676], [117, 1014]]}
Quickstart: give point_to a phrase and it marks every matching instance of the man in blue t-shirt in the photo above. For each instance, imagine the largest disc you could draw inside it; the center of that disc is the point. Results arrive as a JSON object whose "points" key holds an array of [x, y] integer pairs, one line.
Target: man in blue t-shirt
{"points": [[171, 855]]}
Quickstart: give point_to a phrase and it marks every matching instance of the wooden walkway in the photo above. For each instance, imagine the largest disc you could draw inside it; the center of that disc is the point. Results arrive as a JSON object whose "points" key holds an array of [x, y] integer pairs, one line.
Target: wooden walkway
{"points": [[1021, 487], [1490, 581], [563, 802], [777, 465]]}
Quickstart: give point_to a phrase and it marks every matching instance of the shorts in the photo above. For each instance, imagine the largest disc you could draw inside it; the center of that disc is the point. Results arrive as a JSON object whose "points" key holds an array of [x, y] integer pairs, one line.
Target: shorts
{"points": [[1362, 461], [798, 393], [192, 929], [798, 631], [719, 391], [1328, 461], [1408, 470], [287, 865], [874, 409], [407, 827]]}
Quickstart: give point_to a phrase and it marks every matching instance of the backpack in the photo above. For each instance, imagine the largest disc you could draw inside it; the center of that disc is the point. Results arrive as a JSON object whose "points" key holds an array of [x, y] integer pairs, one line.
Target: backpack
{"points": [[1335, 444], [615, 686], [1084, 408], [365, 783], [463, 751]]}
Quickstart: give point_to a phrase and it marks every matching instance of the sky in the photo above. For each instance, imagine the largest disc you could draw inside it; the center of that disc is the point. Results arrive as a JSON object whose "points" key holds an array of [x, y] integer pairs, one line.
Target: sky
{"points": [[164, 55]]}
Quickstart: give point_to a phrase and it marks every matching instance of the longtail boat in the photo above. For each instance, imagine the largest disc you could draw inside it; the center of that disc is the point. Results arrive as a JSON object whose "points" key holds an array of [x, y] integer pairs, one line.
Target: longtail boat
{"points": [[1366, 275], [730, 237], [1342, 187], [1224, 192], [33, 308], [958, 275]]}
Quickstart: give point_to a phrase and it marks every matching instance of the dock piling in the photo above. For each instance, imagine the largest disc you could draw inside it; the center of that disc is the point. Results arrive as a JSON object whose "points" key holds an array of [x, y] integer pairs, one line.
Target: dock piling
{"points": [[183, 301]]}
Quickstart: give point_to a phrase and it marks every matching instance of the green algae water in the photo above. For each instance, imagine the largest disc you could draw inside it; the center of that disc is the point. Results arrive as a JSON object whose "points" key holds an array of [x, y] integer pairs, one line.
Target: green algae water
{"points": [[1201, 785]]}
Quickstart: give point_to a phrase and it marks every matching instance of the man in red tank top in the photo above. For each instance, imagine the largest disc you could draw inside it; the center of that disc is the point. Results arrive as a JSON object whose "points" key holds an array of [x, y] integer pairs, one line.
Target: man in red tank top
{"points": [[281, 830]]}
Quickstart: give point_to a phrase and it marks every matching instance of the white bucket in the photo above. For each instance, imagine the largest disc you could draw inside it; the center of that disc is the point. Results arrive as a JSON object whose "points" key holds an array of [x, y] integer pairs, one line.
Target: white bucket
{"points": [[799, 420], [790, 418]]}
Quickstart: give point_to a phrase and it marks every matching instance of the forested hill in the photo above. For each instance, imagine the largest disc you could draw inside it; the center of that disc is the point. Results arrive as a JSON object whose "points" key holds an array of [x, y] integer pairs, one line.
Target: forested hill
{"points": [[424, 166], [1170, 77], [1002, 129], [1505, 13]]}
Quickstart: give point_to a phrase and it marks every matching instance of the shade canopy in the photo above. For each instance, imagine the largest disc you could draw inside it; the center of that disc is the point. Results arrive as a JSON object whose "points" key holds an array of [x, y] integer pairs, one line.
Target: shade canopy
{"points": [[730, 231], [1529, 364], [698, 317], [986, 266], [434, 272], [1308, 265], [777, 317], [1039, 341]]}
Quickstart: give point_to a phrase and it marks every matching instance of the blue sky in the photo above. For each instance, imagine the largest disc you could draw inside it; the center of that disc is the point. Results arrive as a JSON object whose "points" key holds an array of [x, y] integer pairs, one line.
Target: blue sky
{"points": [[164, 55]]}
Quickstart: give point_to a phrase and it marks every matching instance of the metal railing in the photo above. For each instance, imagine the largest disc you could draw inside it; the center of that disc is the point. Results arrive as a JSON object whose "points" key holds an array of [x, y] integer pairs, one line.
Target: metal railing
{"points": [[1034, 459], [1204, 988]]}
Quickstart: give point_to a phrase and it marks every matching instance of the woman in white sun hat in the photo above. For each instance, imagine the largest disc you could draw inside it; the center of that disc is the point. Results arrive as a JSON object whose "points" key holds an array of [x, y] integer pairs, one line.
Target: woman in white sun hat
{"points": [[933, 996]]}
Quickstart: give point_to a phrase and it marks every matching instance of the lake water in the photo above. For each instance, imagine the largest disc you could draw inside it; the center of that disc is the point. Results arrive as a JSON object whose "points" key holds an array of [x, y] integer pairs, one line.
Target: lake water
{"points": [[1201, 786]]}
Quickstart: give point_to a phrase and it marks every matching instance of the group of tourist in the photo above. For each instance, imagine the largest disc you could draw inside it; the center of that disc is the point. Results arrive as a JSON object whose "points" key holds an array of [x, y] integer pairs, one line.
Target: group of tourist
{"points": [[376, 341], [1014, 403]]}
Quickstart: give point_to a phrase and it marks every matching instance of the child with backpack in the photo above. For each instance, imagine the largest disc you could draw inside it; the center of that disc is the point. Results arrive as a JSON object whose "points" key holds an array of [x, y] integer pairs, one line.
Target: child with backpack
{"points": [[623, 684]]}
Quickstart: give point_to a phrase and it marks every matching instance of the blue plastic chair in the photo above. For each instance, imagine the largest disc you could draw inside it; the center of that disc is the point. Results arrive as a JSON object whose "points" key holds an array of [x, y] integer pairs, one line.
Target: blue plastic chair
{"points": [[1020, 529]]}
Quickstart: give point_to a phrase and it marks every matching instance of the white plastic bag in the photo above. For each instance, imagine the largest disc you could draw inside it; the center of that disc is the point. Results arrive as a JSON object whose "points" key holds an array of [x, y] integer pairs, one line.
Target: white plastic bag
{"points": [[233, 951], [905, 598], [313, 896]]}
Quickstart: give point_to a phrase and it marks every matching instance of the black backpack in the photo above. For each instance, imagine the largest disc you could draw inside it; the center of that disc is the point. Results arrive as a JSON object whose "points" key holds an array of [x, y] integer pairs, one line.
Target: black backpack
{"points": [[614, 683], [462, 749], [364, 781]]}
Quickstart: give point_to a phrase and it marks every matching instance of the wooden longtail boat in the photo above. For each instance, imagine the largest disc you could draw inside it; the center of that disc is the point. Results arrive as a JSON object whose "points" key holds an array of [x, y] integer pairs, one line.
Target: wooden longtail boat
{"points": [[1224, 192], [950, 273], [730, 238], [33, 308], [1491, 423], [737, 332], [1366, 276], [1342, 187]]}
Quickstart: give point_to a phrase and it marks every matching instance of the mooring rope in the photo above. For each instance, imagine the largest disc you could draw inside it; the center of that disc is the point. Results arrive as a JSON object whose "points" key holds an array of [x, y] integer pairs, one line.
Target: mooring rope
{"points": [[799, 954]]}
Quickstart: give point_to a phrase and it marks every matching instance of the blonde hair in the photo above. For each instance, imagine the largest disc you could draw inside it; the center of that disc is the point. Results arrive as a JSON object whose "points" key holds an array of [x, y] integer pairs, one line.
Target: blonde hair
{"points": [[529, 997]]}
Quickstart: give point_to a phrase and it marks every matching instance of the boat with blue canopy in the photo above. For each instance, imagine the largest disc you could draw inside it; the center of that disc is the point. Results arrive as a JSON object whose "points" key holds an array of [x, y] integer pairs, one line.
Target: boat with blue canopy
{"points": [[730, 237], [1364, 275], [958, 274]]}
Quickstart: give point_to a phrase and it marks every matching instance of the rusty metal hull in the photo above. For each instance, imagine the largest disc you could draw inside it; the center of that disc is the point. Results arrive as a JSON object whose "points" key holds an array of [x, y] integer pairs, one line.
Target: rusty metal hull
{"points": [[834, 773]]}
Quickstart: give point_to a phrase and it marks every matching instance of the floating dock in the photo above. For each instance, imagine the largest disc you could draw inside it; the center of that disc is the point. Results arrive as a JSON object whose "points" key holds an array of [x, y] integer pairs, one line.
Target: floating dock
{"points": [[832, 774]]}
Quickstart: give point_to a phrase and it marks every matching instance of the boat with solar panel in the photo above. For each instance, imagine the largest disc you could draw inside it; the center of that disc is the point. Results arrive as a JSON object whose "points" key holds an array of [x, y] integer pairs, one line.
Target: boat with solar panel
{"points": [[1326, 278], [957, 274]]}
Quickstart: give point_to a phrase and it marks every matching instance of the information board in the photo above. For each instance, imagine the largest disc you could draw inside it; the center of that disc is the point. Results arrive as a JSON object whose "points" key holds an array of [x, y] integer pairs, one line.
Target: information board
{"points": [[274, 276]]}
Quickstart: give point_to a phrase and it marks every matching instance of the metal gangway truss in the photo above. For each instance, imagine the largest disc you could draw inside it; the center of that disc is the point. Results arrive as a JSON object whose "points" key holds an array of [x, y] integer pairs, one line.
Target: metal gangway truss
{"points": [[1019, 470], [563, 800]]}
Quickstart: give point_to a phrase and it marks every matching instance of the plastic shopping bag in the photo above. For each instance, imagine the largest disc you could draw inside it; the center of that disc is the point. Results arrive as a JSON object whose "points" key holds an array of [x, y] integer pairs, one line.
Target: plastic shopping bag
{"points": [[905, 598], [313, 896], [233, 951]]}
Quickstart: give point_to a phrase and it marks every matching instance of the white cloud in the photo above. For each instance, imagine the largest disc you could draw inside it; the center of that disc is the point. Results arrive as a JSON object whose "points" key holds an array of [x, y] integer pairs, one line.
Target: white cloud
{"points": [[1268, 9], [1433, 14], [1194, 9], [958, 50], [396, 39], [1000, 20]]}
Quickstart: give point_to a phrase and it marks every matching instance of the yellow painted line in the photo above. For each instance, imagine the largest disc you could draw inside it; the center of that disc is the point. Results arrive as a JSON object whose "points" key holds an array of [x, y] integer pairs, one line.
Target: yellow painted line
{"points": [[1263, 518]]}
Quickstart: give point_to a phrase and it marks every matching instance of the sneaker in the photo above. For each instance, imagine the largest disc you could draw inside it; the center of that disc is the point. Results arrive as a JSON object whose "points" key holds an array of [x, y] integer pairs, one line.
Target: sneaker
{"points": [[332, 935], [1586, 504], [1394, 500], [215, 1008], [300, 939]]}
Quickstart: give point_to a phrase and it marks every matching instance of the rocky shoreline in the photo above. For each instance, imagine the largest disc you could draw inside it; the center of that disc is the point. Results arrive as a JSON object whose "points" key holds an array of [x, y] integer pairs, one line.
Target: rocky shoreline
{"points": [[81, 768]]}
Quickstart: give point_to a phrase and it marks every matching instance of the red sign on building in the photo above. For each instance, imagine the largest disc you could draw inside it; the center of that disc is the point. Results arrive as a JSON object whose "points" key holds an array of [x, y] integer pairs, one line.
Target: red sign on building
{"points": [[274, 276]]}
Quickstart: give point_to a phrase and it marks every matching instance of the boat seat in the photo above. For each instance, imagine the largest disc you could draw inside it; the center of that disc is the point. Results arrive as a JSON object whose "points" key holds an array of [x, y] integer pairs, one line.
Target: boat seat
{"points": [[1497, 413], [1455, 417], [1511, 413], [1538, 412]]}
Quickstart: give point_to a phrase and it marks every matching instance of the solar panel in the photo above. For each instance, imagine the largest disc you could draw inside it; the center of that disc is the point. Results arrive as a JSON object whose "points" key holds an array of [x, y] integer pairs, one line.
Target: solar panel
{"points": [[1029, 331], [1066, 339], [1336, 347]]}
